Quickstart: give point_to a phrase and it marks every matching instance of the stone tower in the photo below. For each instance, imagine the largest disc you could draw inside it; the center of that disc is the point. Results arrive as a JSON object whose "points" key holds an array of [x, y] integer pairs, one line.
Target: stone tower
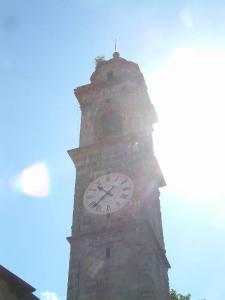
{"points": [[117, 247]]}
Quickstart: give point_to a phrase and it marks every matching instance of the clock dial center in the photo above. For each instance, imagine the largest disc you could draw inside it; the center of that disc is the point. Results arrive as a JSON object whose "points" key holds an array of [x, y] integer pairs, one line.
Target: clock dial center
{"points": [[108, 193]]}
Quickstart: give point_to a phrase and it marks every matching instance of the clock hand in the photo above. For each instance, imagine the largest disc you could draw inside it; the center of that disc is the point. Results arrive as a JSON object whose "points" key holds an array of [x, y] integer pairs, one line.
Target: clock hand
{"points": [[109, 191], [100, 200], [102, 189], [106, 193]]}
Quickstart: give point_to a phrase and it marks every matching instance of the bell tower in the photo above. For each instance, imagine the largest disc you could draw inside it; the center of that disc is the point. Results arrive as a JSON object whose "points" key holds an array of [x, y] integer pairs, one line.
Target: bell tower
{"points": [[117, 246]]}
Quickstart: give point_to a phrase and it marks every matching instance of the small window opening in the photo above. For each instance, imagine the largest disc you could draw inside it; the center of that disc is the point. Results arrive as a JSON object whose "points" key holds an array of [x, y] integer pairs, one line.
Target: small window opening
{"points": [[110, 75], [107, 252]]}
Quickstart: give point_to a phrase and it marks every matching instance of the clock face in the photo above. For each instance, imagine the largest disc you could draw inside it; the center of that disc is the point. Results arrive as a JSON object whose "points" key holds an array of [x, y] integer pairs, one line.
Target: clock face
{"points": [[108, 193]]}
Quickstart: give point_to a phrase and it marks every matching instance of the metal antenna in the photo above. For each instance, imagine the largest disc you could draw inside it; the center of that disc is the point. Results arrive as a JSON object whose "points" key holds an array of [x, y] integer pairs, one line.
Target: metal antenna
{"points": [[115, 44]]}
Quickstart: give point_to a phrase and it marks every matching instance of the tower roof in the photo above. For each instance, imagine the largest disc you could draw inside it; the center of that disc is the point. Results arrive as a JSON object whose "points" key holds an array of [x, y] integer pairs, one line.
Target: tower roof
{"points": [[16, 284], [117, 64]]}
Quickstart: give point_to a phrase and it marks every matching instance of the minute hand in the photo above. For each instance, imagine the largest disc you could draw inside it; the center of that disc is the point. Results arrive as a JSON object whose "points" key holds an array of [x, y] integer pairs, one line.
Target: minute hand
{"points": [[106, 193], [102, 189]]}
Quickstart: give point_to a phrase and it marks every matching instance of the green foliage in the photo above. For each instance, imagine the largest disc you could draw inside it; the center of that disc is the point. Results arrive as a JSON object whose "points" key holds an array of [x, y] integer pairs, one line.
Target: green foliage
{"points": [[175, 296], [99, 59]]}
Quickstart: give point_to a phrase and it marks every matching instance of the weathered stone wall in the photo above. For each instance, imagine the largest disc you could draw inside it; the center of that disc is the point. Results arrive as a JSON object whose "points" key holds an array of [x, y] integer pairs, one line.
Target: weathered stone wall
{"points": [[135, 269], [124, 103]]}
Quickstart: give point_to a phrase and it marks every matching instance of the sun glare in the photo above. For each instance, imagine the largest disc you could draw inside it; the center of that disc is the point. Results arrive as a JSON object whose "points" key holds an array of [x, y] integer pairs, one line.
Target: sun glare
{"points": [[189, 95], [34, 181]]}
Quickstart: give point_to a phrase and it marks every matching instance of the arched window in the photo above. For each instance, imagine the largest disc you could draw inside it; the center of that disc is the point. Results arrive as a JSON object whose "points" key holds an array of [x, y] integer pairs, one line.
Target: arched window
{"points": [[111, 122]]}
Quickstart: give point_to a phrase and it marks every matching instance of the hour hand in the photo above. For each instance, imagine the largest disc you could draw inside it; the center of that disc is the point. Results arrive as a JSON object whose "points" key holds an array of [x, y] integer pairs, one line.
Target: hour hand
{"points": [[106, 192]]}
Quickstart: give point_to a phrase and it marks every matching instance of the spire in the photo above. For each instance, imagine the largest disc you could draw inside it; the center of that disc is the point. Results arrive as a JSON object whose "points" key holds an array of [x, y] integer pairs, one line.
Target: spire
{"points": [[115, 53]]}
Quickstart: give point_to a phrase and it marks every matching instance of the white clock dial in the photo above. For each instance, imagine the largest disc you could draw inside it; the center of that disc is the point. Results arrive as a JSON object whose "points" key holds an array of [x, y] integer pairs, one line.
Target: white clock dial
{"points": [[108, 193]]}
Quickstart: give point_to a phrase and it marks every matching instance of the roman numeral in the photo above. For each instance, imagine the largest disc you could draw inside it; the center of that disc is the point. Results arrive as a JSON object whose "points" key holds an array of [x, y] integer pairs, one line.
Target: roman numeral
{"points": [[124, 196], [108, 209], [116, 178], [127, 188], [124, 181], [93, 204], [107, 178]]}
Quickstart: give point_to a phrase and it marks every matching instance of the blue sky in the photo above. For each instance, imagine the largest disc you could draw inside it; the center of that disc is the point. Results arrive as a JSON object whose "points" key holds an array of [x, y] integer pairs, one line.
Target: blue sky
{"points": [[47, 48]]}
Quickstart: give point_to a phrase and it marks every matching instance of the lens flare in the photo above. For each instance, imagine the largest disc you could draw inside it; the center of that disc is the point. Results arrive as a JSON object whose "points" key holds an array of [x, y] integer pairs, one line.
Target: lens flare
{"points": [[34, 181], [189, 141]]}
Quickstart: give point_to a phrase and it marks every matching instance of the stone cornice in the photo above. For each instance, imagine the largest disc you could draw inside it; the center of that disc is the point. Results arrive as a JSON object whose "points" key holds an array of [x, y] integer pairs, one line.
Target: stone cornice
{"points": [[80, 153], [85, 94]]}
